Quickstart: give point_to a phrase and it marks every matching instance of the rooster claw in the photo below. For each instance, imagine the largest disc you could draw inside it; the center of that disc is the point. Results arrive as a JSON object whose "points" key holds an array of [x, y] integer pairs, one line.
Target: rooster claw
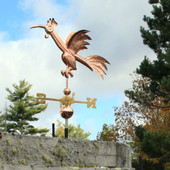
{"points": [[66, 73]]}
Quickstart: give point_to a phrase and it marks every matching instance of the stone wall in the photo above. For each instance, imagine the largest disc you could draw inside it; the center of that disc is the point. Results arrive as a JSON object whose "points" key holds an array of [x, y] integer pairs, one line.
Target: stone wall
{"points": [[34, 153]]}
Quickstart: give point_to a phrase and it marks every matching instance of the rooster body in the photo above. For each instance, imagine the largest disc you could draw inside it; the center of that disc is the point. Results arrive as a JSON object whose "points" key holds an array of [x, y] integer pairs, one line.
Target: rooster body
{"points": [[75, 42]]}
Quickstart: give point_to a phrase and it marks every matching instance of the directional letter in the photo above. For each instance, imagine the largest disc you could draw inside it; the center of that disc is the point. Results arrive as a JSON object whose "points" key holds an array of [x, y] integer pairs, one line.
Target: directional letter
{"points": [[41, 98], [92, 102]]}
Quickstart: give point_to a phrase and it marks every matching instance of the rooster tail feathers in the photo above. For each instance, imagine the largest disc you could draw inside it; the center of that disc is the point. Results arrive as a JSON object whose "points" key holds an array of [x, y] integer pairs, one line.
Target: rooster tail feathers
{"points": [[98, 64], [97, 58]]}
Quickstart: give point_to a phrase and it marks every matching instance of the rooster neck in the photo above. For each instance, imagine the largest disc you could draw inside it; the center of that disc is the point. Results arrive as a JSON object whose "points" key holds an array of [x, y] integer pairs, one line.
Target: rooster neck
{"points": [[59, 42]]}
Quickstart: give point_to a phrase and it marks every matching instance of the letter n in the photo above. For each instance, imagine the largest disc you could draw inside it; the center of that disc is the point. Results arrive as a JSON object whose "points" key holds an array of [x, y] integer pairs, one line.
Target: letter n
{"points": [[91, 103]]}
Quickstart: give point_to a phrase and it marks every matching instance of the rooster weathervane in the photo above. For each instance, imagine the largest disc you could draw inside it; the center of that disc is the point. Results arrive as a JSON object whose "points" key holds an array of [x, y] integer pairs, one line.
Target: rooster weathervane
{"points": [[75, 42]]}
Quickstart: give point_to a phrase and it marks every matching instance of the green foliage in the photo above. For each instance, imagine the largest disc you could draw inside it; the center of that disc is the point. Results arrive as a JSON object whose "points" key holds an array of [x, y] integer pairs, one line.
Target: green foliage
{"points": [[109, 133], [47, 159], [22, 110], [22, 161], [75, 132], [157, 37], [147, 165], [59, 152], [8, 141], [155, 145], [139, 131], [15, 151], [96, 145], [2, 120]]}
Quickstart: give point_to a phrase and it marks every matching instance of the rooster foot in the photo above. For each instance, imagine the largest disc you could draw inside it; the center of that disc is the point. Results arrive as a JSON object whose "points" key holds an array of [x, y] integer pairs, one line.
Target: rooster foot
{"points": [[66, 73]]}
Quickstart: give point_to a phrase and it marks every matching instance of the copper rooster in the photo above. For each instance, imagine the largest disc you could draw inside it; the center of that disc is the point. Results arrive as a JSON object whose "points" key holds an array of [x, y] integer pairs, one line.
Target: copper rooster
{"points": [[74, 43]]}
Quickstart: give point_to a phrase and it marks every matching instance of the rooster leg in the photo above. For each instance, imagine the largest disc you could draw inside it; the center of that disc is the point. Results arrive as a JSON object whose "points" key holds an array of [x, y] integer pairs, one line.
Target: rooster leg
{"points": [[67, 72]]}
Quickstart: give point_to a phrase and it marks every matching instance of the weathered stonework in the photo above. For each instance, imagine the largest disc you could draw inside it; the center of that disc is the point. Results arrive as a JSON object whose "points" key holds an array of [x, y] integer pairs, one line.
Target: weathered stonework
{"points": [[34, 153]]}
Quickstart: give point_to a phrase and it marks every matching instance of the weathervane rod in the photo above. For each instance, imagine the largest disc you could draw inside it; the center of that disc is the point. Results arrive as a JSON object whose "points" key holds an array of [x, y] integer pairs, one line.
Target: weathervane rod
{"points": [[66, 120], [66, 128], [67, 82]]}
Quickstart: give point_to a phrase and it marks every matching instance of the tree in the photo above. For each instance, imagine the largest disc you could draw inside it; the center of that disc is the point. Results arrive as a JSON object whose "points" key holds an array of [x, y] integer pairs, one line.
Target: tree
{"points": [[132, 114], [109, 133], [158, 71], [1, 119], [22, 110], [149, 99], [155, 145], [75, 132]]}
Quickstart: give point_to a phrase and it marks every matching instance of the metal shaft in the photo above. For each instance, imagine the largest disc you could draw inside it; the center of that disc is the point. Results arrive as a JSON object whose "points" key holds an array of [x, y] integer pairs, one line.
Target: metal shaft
{"points": [[66, 82], [66, 128], [53, 129]]}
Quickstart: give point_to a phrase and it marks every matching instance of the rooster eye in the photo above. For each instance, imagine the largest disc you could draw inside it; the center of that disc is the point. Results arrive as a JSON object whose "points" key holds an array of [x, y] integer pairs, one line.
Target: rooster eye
{"points": [[49, 29]]}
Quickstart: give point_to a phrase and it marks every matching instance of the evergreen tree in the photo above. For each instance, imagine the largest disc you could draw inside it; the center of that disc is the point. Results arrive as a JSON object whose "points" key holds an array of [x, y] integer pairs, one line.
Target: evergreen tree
{"points": [[157, 37], [22, 110], [1, 119], [156, 146]]}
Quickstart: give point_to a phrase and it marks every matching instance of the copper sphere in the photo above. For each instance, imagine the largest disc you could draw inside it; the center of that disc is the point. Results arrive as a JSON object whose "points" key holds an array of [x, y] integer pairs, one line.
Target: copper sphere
{"points": [[67, 91], [66, 112]]}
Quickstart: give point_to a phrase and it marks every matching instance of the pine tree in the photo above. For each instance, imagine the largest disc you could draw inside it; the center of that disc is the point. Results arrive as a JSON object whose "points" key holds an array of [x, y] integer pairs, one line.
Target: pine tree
{"points": [[157, 37], [156, 146], [22, 111]]}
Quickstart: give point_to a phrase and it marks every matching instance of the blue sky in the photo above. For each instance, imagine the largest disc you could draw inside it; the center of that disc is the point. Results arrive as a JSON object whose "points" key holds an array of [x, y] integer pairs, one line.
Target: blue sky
{"points": [[26, 54], [12, 16]]}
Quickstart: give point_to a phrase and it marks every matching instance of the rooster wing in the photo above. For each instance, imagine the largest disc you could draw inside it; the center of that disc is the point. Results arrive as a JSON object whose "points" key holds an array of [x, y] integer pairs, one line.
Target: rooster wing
{"points": [[75, 42]]}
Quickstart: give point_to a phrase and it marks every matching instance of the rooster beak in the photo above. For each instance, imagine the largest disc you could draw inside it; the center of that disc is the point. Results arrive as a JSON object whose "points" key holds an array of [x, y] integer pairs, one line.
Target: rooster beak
{"points": [[37, 26]]}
